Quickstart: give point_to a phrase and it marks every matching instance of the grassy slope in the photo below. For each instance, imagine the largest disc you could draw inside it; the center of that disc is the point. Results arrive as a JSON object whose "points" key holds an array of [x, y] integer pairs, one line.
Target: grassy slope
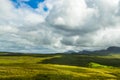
{"points": [[59, 67]]}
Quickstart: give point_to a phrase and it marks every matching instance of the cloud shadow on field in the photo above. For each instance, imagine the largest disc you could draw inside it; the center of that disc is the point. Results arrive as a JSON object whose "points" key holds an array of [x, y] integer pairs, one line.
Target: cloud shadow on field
{"points": [[81, 60]]}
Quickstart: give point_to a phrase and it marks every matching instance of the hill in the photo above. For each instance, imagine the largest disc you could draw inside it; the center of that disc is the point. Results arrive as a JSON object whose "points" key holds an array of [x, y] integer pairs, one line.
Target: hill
{"points": [[59, 67]]}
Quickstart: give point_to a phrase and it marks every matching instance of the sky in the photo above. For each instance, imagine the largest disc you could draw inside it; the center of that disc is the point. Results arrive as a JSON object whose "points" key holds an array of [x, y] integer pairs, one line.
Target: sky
{"points": [[47, 26]]}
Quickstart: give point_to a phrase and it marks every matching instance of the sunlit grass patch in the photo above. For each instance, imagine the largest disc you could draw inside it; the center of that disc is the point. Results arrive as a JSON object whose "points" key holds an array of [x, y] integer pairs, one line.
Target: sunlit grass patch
{"points": [[96, 65]]}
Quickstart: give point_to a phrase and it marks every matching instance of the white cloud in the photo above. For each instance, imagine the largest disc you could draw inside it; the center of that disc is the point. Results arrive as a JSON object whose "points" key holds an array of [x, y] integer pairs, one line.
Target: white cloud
{"points": [[68, 24], [69, 14]]}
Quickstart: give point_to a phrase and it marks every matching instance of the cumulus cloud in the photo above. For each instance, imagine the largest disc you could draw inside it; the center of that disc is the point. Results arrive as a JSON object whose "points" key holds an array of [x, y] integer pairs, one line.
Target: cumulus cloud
{"points": [[65, 25]]}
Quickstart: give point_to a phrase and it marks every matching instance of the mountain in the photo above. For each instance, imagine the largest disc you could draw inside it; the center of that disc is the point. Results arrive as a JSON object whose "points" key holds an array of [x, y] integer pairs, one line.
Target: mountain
{"points": [[112, 49]]}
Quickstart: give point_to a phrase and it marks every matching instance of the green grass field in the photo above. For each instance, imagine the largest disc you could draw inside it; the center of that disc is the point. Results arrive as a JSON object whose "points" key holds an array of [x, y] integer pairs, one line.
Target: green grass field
{"points": [[59, 67]]}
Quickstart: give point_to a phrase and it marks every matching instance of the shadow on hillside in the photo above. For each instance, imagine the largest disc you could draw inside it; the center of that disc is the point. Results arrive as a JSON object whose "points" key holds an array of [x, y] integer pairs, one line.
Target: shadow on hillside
{"points": [[82, 60], [44, 55]]}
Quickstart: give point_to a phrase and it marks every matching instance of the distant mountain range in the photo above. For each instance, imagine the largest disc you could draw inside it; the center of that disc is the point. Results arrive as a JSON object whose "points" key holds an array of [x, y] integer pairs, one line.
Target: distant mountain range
{"points": [[112, 49], [109, 50]]}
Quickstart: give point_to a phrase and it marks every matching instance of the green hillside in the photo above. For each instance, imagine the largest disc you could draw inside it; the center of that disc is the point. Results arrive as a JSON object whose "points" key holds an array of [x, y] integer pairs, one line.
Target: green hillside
{"points": [[59, 67]]}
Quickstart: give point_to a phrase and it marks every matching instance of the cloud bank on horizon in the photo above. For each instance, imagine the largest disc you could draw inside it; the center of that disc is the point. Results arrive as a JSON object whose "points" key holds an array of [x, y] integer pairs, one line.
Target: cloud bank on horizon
{"points": [[59, 25]]}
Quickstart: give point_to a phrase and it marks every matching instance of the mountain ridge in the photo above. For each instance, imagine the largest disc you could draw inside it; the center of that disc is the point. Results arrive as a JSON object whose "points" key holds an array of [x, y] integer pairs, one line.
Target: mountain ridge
{"points": [[112, 49]]}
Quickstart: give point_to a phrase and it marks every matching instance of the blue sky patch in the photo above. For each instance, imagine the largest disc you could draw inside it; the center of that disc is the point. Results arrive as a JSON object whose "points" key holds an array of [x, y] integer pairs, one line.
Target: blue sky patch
{"points": [[32, 3], [45, 8]]}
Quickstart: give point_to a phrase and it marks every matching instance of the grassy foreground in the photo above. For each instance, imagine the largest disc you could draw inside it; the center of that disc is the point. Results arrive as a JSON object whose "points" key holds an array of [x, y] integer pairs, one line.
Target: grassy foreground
{"points": [[59, 67]]}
